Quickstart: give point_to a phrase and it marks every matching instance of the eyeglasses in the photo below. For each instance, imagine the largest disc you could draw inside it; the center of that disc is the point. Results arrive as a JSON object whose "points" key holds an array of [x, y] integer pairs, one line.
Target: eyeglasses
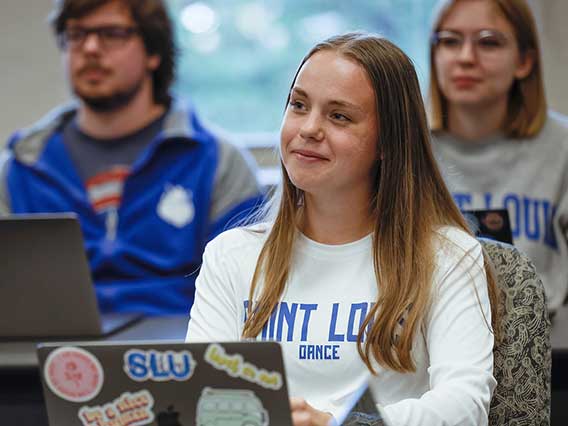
{"points": [[485, 42], [110, 36]]}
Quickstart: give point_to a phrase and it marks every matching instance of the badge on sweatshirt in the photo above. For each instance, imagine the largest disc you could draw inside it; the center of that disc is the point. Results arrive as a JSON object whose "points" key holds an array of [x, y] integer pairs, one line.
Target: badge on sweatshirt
{"points": [[176, 206]]}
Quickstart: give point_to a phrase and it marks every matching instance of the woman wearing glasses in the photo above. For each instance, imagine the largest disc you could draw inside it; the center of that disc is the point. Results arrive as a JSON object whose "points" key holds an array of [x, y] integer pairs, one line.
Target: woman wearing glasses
{"points": [[499, 146], [364, 270]]}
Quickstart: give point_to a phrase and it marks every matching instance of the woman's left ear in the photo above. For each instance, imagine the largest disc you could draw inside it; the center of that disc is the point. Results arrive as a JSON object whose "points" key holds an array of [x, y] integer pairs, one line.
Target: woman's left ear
{"points": [[526, 64]]}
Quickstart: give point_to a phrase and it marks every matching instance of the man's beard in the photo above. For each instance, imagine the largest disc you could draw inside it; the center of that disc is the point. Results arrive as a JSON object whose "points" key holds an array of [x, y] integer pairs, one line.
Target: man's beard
{"points": [[112, 102]]}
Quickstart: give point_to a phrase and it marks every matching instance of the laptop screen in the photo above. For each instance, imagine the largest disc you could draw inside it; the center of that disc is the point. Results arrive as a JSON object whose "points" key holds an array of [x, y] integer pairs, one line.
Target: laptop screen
{"points": [[493, 224], [362, 409], [43, 255]]}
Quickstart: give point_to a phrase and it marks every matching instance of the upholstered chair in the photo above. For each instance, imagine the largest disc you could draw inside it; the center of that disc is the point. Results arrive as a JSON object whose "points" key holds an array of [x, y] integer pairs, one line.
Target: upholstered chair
{"points": [[523, 356]]}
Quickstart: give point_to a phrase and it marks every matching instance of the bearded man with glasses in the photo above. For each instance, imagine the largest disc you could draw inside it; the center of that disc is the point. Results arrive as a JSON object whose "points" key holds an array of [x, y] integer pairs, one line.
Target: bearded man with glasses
{"points": [[149, 182]]}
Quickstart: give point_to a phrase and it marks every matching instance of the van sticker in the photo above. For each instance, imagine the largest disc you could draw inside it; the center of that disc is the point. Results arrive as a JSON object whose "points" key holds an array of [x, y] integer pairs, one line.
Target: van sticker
{"points": [[73, 374], [235, 366], [141, 365], [132, 409], [230, 407]]}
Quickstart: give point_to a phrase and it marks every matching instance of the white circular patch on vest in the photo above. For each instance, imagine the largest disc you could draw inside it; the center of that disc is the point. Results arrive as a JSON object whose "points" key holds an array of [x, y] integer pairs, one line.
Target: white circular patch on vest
{"points": [[176, 206]]}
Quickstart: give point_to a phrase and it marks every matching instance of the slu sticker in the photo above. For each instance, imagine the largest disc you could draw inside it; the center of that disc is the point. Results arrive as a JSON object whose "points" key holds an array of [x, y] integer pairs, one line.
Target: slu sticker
{"points": [[141, 365], [176, 206]]}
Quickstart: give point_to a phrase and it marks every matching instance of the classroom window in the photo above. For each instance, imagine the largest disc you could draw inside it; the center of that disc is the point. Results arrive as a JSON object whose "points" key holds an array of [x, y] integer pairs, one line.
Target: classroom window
{"points": [[237, 57]]}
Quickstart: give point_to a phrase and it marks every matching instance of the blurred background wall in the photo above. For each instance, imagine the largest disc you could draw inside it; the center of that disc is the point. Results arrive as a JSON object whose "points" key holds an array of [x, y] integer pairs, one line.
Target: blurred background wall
{"points": [[552, 16], [32, 81]]}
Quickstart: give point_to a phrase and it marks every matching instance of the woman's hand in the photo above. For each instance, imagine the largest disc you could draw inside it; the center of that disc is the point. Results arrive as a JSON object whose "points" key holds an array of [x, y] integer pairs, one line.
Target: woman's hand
{"points": [[303, 414]]}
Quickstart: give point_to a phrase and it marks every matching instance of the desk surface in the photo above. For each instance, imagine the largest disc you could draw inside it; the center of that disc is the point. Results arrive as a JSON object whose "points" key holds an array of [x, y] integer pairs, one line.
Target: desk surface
{"points": [[22, 355]]}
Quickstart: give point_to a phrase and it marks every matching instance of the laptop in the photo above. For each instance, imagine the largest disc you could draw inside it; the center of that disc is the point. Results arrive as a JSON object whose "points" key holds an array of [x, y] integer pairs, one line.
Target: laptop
{"points": [[45, 283], [362, 409], [493, 224], [164, 384]]}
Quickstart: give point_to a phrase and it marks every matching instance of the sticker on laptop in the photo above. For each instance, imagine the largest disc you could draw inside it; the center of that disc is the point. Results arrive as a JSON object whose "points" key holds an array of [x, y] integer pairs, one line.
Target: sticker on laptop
{"points": [[216, 405], [235, 366], [141, 365], [132, 409], [493, 221], [73, 374]]}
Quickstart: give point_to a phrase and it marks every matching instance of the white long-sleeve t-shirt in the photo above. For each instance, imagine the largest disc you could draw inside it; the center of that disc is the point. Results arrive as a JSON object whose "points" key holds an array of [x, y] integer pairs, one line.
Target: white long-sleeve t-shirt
{"points": [[329, 292]]}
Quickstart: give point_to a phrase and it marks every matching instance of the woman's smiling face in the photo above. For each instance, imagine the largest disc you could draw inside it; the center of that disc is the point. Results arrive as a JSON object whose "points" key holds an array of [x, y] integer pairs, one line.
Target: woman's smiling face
{"points": [[329, 134]]}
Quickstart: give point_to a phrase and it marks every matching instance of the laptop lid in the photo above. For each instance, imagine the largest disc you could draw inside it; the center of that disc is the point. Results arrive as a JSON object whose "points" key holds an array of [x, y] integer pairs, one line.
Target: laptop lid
{"points": [[362, 409], [491, 223], [45, 282], [165, 384]]}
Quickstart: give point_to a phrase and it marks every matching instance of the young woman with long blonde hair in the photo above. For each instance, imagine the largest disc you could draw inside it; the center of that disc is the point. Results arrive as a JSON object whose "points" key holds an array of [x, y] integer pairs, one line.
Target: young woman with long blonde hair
{"points": [[365, 270]]}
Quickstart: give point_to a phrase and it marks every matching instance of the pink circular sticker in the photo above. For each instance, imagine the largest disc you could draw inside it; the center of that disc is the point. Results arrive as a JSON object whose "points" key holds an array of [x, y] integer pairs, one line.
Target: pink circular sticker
{"points": [[73, 374]]}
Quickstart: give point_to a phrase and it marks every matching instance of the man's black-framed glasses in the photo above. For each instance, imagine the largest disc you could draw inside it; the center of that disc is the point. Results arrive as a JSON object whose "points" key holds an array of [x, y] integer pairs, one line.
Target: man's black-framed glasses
{"points": [[110, 36]]}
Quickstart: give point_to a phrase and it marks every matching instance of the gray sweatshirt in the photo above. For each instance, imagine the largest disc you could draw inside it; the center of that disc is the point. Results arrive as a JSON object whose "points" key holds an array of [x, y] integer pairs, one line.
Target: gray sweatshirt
{"points": [[529, 178]]}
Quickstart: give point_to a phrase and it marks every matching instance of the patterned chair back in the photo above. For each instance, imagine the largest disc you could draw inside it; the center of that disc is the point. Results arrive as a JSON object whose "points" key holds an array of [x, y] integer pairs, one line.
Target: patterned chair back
{"points": [[523, 357]]}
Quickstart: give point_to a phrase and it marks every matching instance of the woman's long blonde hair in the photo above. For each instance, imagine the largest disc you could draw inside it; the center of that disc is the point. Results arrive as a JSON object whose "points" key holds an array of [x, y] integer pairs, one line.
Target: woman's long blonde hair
{"points": [[410, 202], [527, 108]]}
